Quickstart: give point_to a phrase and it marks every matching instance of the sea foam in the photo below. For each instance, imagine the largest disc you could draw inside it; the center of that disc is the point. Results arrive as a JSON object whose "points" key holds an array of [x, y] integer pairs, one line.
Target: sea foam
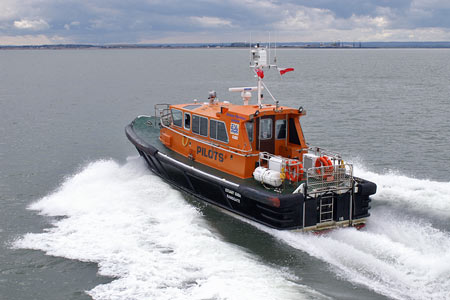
{"points": [[417, 194], [399, 258], [143, 233], [396, 255], [155, 245]]}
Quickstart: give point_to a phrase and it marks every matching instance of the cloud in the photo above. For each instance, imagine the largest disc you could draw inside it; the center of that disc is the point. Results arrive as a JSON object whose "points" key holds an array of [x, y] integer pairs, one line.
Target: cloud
{"points": [[304, 18], [133, 21], [211, 22], [320, 20], [9, 9], [71, 25], [103, 24], [39, 24]]}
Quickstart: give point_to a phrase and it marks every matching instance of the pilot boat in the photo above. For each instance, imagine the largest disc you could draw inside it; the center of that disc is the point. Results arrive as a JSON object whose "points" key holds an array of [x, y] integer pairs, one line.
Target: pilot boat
{"points": [[252, 159]]}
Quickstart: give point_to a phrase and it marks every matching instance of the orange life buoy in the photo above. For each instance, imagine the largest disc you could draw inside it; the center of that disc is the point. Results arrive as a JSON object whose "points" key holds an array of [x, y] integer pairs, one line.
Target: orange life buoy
{"points": [[330, 165], [320, 162], [327, 165], [294, 170]]}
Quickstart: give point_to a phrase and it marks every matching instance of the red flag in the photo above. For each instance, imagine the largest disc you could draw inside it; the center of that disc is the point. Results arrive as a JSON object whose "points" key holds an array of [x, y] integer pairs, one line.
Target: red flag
{"points": [[285, 70], [260, 73]]}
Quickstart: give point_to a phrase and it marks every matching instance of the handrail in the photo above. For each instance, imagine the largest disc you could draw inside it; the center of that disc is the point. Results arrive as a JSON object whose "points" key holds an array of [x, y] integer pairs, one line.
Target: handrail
{"points": [[160, 108], [320, 152], [324, 179]]}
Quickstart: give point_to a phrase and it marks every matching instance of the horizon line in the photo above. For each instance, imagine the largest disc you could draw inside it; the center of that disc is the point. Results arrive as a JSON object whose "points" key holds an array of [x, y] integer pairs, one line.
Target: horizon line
{"points": [[336, 44]]}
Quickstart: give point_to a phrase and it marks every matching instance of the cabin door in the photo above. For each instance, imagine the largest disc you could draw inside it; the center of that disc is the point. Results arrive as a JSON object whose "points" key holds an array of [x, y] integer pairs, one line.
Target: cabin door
{"points": [[266, 134]]}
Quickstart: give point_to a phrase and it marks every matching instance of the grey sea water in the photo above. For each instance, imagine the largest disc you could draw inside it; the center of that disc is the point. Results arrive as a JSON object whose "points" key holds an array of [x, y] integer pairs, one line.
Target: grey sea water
{"points": [[82, 217]]}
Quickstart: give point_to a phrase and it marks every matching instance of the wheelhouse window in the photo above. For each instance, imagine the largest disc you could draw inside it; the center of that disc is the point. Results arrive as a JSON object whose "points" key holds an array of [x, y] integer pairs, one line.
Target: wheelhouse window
{"points": [[187, 120], [218, 131], [200, 125], [249, 128], [293, 135], [265, 129], [280, 129], [177, 117]]}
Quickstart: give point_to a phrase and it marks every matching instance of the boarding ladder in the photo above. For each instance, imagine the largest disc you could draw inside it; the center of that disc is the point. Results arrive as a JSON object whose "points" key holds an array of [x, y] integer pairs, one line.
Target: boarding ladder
{"points": [[325, 184], [326, 208]]}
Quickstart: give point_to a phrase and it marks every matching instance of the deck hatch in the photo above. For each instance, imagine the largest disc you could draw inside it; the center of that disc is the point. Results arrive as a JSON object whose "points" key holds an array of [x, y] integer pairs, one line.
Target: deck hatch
{"points": [[191, 106]]}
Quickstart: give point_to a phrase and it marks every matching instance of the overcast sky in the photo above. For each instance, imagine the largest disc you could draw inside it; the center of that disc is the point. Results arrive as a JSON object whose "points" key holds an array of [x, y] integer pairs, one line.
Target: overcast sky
{"points": [[24, 22]]}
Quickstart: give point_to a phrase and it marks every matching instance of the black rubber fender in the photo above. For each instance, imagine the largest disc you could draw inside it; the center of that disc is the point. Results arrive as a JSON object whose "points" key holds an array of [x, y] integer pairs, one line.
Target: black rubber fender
{"points": [[131, 135], [366, 188]]}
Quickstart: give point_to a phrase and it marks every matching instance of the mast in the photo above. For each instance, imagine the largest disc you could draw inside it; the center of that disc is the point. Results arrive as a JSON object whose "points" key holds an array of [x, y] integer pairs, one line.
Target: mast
{"points": [[259, 90], [258, 62]]}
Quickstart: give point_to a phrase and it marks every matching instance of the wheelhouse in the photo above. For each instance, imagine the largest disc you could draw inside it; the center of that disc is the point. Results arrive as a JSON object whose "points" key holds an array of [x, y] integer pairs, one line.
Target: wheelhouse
{"points": [[230, 137]]}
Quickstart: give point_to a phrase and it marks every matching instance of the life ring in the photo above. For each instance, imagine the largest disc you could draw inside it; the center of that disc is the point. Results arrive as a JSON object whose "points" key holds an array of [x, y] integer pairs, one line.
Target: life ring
{"points": [[327, 167], [294, 171], [321, 162], [184, 140], [330, 165]]}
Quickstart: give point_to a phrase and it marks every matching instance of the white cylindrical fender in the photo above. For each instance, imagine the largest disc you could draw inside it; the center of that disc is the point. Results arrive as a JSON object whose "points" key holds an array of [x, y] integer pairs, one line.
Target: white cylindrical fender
{"points": [[267, 176]]}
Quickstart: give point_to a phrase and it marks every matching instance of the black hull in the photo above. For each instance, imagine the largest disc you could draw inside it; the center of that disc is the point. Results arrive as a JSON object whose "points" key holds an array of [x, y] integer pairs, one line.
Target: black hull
{"points": [[280, 211]]}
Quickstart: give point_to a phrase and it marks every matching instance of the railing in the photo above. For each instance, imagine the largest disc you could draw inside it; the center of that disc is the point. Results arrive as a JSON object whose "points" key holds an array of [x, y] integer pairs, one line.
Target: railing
{"points": [[321, 152], [329, 178], [162, 112]]}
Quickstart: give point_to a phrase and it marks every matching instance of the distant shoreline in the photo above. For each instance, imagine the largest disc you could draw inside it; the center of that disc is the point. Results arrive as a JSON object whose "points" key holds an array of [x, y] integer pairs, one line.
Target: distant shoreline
{"points": [[291, 45]]}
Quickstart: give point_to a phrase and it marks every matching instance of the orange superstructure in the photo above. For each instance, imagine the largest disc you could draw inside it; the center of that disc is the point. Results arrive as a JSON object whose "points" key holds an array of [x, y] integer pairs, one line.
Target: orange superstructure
{"points": [[230, 137]]}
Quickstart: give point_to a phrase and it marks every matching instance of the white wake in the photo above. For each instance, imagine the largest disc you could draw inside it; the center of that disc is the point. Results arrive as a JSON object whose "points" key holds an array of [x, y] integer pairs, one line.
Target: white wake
{"points": [[143, 233], [397, 255], [399, 258], [417, 194]]}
